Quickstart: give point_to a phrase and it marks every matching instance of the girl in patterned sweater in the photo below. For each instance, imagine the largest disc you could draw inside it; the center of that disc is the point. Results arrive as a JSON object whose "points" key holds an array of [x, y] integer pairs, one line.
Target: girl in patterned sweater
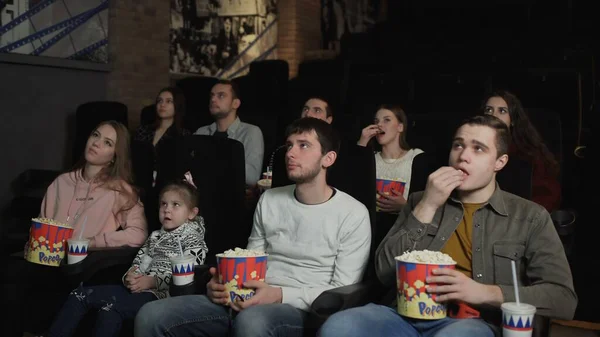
{"points": [[150, 275]]}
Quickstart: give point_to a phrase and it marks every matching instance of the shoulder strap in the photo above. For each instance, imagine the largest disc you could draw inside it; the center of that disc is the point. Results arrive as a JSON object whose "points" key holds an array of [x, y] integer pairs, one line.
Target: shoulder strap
{"points": [[56, 201]]}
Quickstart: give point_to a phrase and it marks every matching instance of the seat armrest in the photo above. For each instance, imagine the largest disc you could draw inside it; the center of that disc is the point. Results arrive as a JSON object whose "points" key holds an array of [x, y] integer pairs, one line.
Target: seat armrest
{"points": [[182, 290], [198, 286], [97, 260], [202, 277], [350, 296], [541, 326], [564, 221], [338, 299]]}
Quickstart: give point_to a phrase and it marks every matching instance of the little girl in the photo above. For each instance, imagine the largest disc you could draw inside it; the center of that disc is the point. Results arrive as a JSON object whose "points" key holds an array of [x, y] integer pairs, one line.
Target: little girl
{"points": [[150, 275]]}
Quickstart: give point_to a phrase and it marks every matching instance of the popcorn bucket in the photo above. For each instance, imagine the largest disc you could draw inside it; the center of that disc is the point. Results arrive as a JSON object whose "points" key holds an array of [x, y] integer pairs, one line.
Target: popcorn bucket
{"points": [[47, 242], [385, 187], [413, 299], [235, 270]]}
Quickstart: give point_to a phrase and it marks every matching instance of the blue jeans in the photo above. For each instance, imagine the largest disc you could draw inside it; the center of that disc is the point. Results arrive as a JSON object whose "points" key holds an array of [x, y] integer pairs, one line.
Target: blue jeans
{"points": [[377, 320], [114, 304], [197, 316]]}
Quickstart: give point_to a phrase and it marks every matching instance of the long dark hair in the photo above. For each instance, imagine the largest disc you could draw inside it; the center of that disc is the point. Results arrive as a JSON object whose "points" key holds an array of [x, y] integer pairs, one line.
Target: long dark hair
{"points": [[524, 135], [178, 105]]}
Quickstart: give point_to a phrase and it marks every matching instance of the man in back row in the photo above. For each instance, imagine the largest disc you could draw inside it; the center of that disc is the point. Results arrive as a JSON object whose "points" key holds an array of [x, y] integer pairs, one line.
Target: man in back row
{"points": [[223, 106], [463, 213]]}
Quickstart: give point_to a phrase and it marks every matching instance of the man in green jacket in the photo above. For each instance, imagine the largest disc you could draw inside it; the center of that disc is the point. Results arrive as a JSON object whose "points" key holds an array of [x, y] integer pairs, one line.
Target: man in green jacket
{"points": [[464, 213]]}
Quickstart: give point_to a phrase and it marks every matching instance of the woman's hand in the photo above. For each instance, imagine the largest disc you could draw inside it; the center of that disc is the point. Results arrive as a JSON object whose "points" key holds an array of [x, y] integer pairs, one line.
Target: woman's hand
{"points": [[390, 202], [368, 133]]}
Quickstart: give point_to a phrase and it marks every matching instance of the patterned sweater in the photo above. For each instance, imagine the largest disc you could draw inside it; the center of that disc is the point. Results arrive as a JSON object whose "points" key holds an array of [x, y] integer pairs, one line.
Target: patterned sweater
{"points": [[153, 258]]}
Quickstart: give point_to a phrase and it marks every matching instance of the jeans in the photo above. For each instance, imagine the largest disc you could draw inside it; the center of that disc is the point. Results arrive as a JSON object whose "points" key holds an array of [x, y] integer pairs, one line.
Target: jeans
{"points": [[197, 316], [377, 320], [114, 304]]}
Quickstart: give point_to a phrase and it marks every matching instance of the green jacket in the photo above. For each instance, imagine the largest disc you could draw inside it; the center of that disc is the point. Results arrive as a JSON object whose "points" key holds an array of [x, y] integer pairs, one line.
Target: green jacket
{"points": [[506, 228]]}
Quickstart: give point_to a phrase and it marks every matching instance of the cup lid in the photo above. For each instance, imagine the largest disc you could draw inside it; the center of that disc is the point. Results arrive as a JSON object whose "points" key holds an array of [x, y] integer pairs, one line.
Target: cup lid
{"points": [[264, 182], [522, 308], [182, 257], [78, 240]]}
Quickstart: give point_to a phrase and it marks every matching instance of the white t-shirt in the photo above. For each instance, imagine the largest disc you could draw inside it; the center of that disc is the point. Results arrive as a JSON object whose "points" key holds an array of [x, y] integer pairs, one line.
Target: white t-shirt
{"points": [[312, 248], [393, 173]]}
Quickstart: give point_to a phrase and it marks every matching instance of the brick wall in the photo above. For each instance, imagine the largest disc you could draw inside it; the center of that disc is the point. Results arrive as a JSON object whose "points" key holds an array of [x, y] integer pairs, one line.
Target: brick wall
{"points": [[299, 28], [138, 52], [139, 46]]}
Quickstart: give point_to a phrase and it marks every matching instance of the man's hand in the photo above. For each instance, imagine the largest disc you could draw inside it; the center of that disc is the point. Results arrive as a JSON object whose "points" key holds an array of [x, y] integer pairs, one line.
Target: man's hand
{"points": [[439, 186], [215, 290], [265, 294], [142, 282], [392, 202], [452, 285]]}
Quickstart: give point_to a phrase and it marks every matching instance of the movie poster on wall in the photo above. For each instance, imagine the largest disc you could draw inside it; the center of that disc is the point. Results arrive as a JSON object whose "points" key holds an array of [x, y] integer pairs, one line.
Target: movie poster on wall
{"points": [[220, 38], [238, 7]]}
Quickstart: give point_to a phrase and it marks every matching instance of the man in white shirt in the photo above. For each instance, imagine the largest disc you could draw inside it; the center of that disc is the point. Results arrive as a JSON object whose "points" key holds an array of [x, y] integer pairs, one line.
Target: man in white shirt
{"points": [[224, 102], [317, 238]]}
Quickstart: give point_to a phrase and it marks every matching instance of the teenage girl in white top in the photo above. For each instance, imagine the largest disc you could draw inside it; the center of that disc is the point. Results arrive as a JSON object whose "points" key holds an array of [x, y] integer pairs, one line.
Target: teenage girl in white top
{"points": [[394, 162]]}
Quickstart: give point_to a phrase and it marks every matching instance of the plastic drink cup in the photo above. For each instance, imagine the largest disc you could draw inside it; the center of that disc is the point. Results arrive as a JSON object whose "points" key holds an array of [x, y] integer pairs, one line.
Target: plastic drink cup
{"points": [[182, 268], [517, 319], [78, 250]]}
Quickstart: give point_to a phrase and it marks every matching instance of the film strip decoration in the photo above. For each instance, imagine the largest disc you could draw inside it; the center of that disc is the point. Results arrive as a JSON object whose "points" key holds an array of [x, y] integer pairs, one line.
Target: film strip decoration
{"points": [[25, 16], [74, 23], [67, 27], [88, 49]]}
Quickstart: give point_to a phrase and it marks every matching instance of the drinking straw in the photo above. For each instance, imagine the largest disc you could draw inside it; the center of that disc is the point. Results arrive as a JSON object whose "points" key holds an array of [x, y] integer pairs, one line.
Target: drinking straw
{"points": [[180, 249], [82, 227], [514, 274]]}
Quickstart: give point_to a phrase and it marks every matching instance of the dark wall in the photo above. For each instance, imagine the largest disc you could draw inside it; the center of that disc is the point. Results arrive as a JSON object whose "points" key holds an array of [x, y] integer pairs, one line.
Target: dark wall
{"points": [[37, 102]]}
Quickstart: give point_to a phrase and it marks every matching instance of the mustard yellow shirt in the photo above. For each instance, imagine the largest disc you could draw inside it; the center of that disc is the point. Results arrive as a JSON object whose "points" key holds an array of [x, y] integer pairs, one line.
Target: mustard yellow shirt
{"points": [[460, 243]]}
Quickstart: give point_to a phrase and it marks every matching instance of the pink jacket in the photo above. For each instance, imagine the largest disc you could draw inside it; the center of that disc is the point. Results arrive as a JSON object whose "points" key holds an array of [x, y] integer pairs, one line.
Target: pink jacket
{"points": [[66, 197]]}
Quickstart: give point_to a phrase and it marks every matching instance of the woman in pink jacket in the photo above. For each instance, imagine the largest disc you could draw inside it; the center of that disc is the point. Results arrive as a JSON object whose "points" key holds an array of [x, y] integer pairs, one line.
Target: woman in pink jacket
{"points": [[99, 189]]}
